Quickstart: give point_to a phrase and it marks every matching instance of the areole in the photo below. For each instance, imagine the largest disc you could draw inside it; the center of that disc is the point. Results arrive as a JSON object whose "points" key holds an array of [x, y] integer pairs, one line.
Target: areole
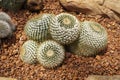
{"points": [[66, 21], [50, 53]]}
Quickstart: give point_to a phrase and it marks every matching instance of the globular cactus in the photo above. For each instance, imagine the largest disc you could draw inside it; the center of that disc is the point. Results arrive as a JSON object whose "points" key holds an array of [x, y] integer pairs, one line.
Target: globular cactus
{"points": [[12, 5], [5, 29], [92, 40], [38, 28], [50, 54], [4, 16], [28, 52], [64, 28], [7, 18], [34, 5]]}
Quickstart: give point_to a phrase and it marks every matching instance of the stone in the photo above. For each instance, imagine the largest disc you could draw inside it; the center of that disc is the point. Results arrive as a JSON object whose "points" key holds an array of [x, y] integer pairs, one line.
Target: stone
{"points": [[99, 77], [107, 8]]}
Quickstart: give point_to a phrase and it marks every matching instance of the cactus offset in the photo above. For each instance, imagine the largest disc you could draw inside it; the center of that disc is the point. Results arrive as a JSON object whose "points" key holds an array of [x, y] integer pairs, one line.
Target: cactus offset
{"points": [[7, 18], [4, 16], [37, 28], [5, 29], [50, 54], [28, 52], [92, 40], [64, 28]]}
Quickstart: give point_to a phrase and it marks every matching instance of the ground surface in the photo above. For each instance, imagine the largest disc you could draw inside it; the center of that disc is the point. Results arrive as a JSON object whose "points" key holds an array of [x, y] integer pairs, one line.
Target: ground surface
{"points": [[73, 67]]}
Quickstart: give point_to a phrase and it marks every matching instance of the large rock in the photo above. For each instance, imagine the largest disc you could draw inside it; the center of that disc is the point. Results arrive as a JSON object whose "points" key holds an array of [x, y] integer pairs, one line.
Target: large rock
{"points": [[4, 78], [109, 8], [98, 77]]}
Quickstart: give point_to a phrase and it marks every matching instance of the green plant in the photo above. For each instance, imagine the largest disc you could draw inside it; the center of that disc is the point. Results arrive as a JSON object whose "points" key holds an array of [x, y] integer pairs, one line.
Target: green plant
{"points": [[5, 29], [13, 5], [37, 28], [64, 28], [92, 40], [28, 52], [7, 18], [50, 54]]}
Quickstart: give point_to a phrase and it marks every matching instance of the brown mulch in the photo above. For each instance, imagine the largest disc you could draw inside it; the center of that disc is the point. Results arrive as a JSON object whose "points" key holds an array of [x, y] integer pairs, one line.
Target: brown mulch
{"points": [[73, 67]]}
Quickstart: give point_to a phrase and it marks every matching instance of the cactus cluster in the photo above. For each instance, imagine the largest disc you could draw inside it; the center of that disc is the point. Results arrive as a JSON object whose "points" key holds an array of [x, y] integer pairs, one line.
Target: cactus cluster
{"points": [[6, 25], [37, 28], [82, 38], [49, 53], [92, 39]]}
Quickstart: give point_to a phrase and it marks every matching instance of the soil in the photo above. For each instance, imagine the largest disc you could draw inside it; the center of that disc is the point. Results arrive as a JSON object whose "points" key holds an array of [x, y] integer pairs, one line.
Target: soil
{"points": [[73, 67]]}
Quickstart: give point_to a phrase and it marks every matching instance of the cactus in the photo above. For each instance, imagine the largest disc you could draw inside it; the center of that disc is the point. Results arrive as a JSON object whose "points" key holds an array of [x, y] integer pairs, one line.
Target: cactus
{"points": [[4, 16], [13, 5], [7, 18], [5, 29], [92, 40], [37, 28], [64, 28], [28, 52], [50, 54]]}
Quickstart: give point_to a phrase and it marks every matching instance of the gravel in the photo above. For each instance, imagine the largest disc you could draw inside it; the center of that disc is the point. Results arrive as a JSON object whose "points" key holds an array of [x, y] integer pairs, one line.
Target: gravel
{"points": [[73, 67]]}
